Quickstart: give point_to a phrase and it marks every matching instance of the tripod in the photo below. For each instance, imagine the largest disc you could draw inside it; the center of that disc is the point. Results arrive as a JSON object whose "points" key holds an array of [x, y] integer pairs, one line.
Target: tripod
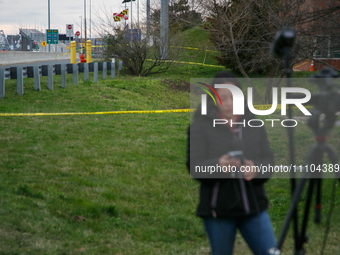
{"points": [[326, 102]]}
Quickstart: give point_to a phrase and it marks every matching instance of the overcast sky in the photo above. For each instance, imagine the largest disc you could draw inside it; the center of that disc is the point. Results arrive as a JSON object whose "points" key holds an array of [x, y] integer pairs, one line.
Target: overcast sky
{"points": [[34, 13]]}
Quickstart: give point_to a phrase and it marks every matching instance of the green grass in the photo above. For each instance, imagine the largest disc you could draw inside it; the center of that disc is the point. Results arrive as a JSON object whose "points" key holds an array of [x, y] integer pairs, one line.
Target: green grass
{"points": [[117, 184], [197, 39]]}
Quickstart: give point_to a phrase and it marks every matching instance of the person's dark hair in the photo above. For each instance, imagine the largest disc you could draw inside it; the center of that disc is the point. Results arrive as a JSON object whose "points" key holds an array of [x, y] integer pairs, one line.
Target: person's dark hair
{"points": [[225, 77]]}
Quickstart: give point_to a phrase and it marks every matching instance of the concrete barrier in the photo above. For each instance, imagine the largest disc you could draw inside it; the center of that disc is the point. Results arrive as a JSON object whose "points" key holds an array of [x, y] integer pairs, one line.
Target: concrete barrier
{"points": [[19, 57]]}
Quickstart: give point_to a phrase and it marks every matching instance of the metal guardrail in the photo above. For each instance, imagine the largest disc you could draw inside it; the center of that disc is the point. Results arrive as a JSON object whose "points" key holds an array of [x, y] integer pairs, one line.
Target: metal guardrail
{"points": [[19, 73]]}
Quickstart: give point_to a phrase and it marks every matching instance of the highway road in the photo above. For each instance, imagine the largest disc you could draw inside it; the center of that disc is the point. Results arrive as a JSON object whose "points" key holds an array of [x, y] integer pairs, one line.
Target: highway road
{"points": [[40, 63]]}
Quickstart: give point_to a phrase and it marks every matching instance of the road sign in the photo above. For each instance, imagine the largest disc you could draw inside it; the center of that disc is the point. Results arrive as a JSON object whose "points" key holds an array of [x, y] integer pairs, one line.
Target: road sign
{"points": [[52, 36], [77, 33], [43, 43], [69, 30]]}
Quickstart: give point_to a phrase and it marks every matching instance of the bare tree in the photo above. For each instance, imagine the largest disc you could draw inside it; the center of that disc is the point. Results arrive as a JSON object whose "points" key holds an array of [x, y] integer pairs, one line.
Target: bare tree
{"points": [[243, 30], [139, 57]]}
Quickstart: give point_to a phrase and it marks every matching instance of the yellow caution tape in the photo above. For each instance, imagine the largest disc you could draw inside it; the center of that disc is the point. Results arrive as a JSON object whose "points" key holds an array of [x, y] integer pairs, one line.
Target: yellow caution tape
{"points": [[63, 54], [191, 48], [90, 113], [296, 66], [182, 47], [258, 107], [183, 62], [268, 106]]}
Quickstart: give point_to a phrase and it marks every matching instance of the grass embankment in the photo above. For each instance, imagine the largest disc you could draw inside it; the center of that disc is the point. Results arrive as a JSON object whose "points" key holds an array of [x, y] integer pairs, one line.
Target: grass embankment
{"points": [[117, 184]]}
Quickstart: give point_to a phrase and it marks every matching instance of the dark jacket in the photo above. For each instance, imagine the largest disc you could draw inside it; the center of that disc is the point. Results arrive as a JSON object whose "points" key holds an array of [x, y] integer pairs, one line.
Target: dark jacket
{"points": [[206, 144]]}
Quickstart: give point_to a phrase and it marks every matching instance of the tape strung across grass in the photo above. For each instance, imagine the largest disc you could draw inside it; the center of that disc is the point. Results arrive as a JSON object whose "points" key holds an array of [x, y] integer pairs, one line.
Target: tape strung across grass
{"points": [[258, 107], [89, 113]]}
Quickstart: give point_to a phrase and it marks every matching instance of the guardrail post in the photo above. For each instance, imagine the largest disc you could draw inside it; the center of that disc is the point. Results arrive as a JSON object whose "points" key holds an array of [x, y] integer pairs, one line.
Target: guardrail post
{"points": [[95, 72], [86, 72], [2, 82], [104, 70], [88, 51], [36, 75], [113, 68], [73, 52], [50, 77], [75, 74], [63, 75], [20, 81]]}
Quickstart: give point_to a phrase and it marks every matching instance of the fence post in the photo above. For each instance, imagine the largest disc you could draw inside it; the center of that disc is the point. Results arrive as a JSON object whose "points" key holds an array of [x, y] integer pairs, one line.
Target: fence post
{"points": [[113, 68], [50, 77], [36, 75], [86, 72], [95, 72], [20, 81], [2, 82], [63, 75], [104, 70], [75, 74]]}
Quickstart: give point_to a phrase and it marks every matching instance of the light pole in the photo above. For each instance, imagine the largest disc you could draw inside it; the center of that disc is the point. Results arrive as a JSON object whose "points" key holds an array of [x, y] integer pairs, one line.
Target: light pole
{"points": [[148, 21], [85, 24]]}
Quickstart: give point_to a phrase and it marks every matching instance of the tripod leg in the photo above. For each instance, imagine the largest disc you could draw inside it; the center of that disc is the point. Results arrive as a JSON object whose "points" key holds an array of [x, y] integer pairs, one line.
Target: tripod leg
{"points": [[303, 238], [295, 200], [317, 216]]}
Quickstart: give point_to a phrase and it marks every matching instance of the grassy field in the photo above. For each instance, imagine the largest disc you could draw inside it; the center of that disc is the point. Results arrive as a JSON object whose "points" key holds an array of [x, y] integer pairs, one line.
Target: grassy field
{"points": [[117, 184]]}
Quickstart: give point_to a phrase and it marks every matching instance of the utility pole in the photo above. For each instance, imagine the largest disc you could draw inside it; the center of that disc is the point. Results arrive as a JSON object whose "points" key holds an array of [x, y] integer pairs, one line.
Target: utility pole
{"points": [[90, 17], [131, 24], [164, 48], [49, 22]]}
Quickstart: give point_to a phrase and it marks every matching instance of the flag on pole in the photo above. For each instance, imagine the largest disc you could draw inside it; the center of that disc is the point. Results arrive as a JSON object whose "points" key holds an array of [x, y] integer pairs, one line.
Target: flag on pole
{"points": [[127, 1], [119, 16]]}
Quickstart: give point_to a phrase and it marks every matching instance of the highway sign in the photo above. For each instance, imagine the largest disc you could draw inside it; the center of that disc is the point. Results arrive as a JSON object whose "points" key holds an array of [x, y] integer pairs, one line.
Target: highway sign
{"points": [[69, 30], [43, 43], [52, 36], [77, 33]]}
